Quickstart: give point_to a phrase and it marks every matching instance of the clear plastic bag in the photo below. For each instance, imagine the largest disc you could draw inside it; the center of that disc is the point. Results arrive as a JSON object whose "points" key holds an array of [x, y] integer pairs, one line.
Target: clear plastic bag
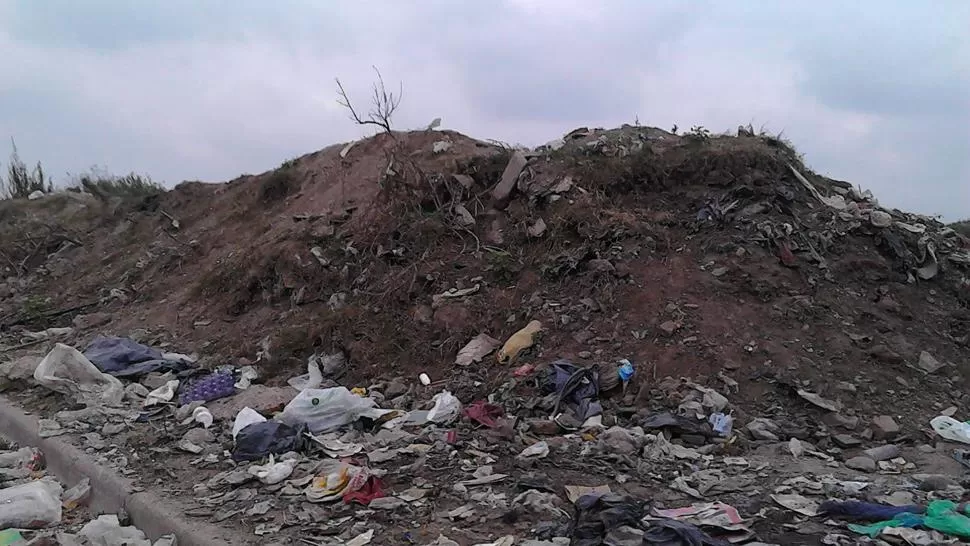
{"points": [[67, 371], [32, 505], [951, 429], [108, 531], [325, 410], [447, 408]]}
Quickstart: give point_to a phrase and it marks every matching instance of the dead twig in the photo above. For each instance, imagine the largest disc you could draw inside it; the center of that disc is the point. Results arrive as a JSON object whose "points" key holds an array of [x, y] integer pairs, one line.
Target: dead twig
{"points": [[383, 102]]}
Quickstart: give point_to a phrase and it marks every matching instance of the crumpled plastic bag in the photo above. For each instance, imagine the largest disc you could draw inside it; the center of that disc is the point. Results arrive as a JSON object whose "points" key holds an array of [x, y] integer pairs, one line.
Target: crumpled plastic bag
{"points": [[334, 480], [447, 408], [107, 531], [273, 472], [246, 416], [162, 394], [31, 505], [67, 371], [325, 410], [257, 440]]}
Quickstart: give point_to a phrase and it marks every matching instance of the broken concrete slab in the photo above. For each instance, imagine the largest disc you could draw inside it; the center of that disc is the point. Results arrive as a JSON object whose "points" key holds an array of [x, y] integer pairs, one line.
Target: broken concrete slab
{"points": [[502, 191]]}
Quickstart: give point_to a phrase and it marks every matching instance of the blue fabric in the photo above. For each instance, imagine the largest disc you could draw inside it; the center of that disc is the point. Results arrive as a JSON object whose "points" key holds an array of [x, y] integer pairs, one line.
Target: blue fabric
{"points": [[123, 357], [867, 511]]}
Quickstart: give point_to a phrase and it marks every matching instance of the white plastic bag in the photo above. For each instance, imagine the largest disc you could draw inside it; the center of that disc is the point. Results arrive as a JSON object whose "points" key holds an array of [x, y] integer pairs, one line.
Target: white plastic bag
{"points": [[107, 531], [67, 371], [32, 505], [325, 410], [310, 380], [165, 393], [951, 429], [446, 408], [273, 472], [246, 416]]}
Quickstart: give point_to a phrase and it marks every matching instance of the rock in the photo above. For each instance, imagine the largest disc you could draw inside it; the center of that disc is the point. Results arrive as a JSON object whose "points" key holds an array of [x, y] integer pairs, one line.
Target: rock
{"points": [[199, 436], [840, 420], [719, 271], [475, 350], [880, 218], [258, 397], [537, 229], [863, 464], [110, 429], [91, 320], [929, 364], [543, 427], [386, 503], [396, 387], [882, 453], [934, 482], [846, 440], [501, 192], [601, 266], [618, 440], [584, 354], [884, 427], [883, 353], [20, 369], [846, 386], [669, 327], [763, 429], [154, 380]]}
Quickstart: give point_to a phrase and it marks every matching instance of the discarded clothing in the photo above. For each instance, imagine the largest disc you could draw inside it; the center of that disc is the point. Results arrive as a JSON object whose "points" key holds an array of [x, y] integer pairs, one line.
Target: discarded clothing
{"points": [[211, 387], [259, 440], [677, 424], [372, 489], [123, 357], [576, 389], [909, 521], [670, 532], [940, 515], [867, 511], [597, 515], [618, 520], [484, 413]]}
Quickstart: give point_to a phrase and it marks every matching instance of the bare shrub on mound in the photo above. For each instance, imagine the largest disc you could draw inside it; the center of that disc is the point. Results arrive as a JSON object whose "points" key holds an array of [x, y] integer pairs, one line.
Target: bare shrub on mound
{"points": [[383, 104]]}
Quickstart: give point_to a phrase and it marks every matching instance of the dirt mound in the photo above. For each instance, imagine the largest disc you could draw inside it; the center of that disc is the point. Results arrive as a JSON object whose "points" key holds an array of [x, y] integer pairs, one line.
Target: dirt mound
{"points": [[721, 267], [687, 254]]}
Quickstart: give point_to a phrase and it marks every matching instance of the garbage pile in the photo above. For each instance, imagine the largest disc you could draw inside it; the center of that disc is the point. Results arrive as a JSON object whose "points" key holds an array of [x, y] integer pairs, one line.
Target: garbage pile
{"points": [[357, 464], [706, 343], [35, 508]]}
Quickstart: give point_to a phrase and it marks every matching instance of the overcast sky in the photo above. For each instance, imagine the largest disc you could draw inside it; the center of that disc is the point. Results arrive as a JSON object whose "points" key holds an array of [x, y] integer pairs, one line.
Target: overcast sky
{"points": [[873, 92]]}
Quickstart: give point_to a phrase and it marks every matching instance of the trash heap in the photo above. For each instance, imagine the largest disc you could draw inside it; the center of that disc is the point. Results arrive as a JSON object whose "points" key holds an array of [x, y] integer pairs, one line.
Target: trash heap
{"points": [[701, 342], [355, 465]]}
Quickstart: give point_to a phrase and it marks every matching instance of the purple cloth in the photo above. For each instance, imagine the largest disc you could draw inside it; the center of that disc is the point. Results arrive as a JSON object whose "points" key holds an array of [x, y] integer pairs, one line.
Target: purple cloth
{"points": [[123, 357], [867, 511], [210, 387]]}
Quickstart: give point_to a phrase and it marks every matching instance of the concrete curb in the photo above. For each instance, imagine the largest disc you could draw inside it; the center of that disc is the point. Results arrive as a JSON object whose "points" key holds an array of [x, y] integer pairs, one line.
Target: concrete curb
{"points": [[110, 492]]}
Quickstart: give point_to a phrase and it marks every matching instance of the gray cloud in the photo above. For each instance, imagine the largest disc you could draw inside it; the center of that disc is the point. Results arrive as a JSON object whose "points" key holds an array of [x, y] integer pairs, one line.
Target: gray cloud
{"points": [[871, 92]]}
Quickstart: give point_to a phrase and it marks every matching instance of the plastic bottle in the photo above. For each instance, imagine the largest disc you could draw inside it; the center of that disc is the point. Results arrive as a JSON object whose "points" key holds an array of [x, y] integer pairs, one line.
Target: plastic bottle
{"points": [[722, 424]]}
